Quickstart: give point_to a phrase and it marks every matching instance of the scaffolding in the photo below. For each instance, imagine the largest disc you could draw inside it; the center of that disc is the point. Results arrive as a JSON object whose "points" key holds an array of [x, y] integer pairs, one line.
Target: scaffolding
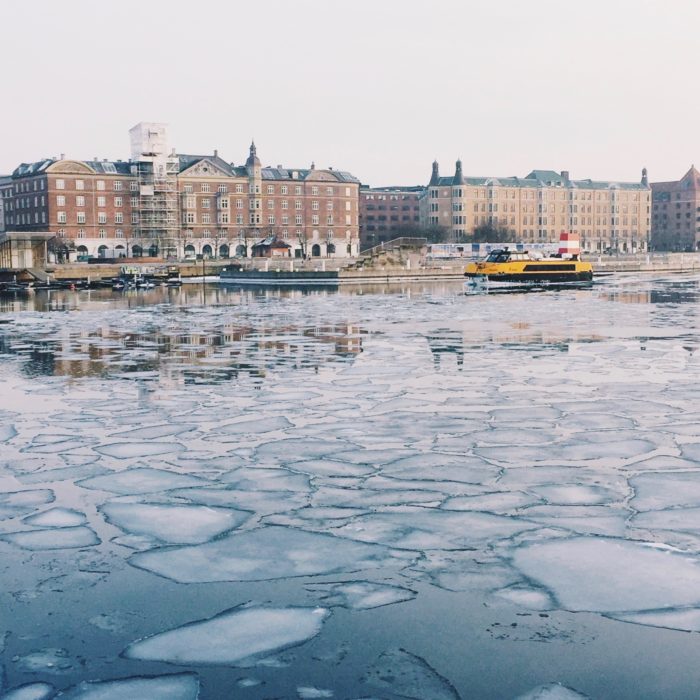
{"points": [[158, 227]]}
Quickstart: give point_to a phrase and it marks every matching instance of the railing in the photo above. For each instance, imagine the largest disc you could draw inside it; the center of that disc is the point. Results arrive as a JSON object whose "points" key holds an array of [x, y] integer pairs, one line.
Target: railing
{"points": [[403, 242]]}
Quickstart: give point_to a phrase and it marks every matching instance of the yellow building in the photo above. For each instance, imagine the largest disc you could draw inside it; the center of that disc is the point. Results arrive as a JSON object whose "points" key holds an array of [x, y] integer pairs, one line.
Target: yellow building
{"points": [[608, 216]]}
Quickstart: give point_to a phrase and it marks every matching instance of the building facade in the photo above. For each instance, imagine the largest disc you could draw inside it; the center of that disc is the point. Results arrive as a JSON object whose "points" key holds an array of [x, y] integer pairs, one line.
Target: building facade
{"points": [[5, 194], [388, 212], [675, 218], [608, 216], [163, 204]]}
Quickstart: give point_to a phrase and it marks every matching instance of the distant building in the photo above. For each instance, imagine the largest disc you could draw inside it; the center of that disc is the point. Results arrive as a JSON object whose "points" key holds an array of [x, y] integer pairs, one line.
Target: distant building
{"points": [[388, 212], [5, 194], [536, 208], [675, 218], [160, 203]]}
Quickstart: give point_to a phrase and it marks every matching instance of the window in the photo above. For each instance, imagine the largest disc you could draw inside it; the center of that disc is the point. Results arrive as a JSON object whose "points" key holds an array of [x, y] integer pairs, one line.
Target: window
{"points": [[61, 233], [285, 204], [61, 200], [134, 186], [134, 201], [314, 220], [239, 204], [223, 203], [285, 220], [270, 189], [223, 217], [100, 185], [329, 206], [297, 189], [206, 218], [204, 187], [80, 201], [118, 201], [81, 233], [102, 233], [284, 189], [297, 204], [118, 218], [223, 188], [102, 218], [188, 189], [270, 203], [329, 235], [190, 218], [101, 201], [329, 220], [206, 233], [118, 185], [80, 184], [314, 205], [81, 217], [329, 191], [271, 219], [285, 233], [298, 220], [206, 202], [239, 219], [119, 233], [61, 217], [314, 191], [134, 217], [239, 188], [190, 202]]}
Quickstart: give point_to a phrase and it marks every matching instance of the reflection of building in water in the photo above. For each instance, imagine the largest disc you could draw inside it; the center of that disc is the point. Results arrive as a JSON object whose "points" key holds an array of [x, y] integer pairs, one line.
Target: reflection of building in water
{"points": [[444, 345], [187, 356]]}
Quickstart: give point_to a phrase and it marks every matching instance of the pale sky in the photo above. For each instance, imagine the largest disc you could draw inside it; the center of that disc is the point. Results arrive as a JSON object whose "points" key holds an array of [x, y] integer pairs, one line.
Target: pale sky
{"points": [[377, 87]]}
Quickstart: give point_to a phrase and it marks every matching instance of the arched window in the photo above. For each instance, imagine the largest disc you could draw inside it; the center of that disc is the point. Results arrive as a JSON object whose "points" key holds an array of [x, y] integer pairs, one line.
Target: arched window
{"points": [[206, 250], [82, 250], [189, 249], [119, 250], [315, 250], [240, 250], [331, 249], [153, 251], [223, 251], [136, 251], [102, 251]]}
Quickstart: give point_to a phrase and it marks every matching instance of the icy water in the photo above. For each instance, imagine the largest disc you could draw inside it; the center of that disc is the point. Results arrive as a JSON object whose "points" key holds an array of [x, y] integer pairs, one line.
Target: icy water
{"points": [[377, 493]]}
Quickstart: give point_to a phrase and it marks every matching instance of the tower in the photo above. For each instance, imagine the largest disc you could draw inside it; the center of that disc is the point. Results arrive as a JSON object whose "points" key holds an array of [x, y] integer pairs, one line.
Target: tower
{"points": [[254, 171]]}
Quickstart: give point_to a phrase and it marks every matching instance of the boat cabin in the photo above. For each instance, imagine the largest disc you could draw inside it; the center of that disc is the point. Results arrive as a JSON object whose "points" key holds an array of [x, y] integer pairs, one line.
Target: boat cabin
{"points": [[505, 255]]}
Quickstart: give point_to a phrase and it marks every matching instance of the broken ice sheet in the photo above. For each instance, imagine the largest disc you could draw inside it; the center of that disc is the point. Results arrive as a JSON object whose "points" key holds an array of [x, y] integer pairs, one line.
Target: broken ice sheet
{"points": [[55, 538], [17, 503], [552, 691], [181, 686], [409, 676], [236, 637], [137, 450], [141, 480], [361, 595], [266, 553], [57, 517], [599, 574], [30, 691], [177, 524]]}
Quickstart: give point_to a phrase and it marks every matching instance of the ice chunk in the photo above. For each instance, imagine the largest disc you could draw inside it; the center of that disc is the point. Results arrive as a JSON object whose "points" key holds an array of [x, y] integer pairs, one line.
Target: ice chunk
{"points": [[180, 686], [251, 426], [57, 517], [497, 502], [330, 467], [49, 660], [262, 502], [136, 450], [58, 538], [526, 597], [248, 479], [17, 503], [179, 524], [266, 553], [141, 480], [295, 449], [685, 619], [576, 494], [678, 519], [552, 691], [81, 471], [307, 692], [7, 432], [659, 490], [31, 691], [239, 636], [361, 595], [409, 676], [153, 432], [611, 575]]}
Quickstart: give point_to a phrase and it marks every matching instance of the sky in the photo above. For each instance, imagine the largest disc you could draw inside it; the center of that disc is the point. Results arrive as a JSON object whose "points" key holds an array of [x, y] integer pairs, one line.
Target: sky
{"points": [[380, 88]]}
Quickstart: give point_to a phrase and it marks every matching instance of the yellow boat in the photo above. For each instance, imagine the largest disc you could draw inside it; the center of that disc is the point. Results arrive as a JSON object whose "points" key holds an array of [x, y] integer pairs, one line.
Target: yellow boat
{"points": [[515, 267]]}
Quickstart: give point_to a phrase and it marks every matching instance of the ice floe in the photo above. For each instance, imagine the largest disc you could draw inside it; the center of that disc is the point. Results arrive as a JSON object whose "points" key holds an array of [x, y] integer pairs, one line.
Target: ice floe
{"points": [[57, 517], [55, 538], [30, 691], [181, 686], [141, 480], [552, 691], [138, 450], [235, 637], [361, 595]]}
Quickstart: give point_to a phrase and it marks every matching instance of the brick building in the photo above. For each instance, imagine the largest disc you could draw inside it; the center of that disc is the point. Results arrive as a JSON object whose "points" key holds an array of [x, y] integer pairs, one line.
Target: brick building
{"points": [[536, 208], [5, 194], [675, 218], [388, 212], [160, 203]]}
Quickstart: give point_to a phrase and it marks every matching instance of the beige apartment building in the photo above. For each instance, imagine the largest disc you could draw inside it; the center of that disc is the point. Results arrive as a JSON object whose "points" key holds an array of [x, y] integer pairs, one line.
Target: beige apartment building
{"points": [[608, 216]]}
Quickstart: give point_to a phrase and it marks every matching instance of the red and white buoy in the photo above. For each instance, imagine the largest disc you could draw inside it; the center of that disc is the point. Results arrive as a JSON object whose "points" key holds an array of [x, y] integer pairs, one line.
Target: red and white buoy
{"points": [[569, 244]]}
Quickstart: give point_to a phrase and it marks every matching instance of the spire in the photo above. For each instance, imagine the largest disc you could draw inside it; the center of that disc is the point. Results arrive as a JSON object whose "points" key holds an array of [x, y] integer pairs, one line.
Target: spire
{"points": [[253, 157], [436, 174], [458, 179], [645, 178]]}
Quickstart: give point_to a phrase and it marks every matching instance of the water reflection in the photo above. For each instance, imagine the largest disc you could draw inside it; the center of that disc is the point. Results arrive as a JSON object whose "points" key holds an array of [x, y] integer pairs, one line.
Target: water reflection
{"points": [[662, 292], [220, 354]]}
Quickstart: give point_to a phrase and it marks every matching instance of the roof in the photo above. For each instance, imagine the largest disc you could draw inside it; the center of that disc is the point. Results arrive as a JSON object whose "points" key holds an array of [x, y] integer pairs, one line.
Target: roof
{"points": [[101, 167], [401, 188], [543, 178]]}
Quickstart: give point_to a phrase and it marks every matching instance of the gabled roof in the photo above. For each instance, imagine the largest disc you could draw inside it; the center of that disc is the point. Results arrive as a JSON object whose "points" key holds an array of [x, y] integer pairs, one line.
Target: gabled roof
{"points": [[187, 161]]}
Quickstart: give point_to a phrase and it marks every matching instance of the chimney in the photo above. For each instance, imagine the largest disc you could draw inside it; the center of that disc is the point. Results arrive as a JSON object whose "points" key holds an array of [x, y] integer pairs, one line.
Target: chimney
{"points": [[279, 166], [565, 175], [63, 156], [645, 177], [216, 153]]}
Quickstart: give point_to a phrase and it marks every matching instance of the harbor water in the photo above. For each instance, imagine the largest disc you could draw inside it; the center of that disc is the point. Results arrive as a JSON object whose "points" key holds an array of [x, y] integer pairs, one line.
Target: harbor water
{"points": [[377, 492]]}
